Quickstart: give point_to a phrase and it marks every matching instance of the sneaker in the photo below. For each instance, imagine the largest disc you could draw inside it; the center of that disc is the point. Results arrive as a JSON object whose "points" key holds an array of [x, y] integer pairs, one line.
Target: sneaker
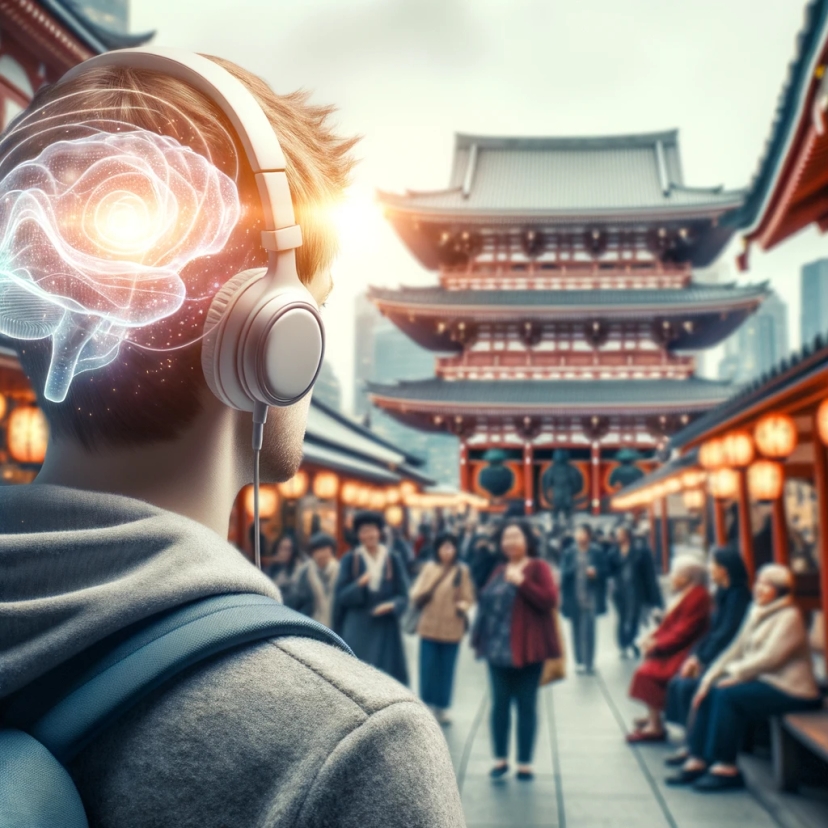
{"points": [[499, 772], [685, 777], [525, 775], [677, 759]]}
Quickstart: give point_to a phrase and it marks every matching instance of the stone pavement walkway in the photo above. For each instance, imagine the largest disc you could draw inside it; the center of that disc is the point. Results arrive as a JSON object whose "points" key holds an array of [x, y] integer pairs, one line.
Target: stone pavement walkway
{"points": [[586, 774]]}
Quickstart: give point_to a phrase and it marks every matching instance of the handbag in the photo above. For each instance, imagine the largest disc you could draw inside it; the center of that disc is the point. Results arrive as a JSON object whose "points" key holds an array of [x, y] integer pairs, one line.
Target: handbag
{"points": [[554, 669], [411, 619]]}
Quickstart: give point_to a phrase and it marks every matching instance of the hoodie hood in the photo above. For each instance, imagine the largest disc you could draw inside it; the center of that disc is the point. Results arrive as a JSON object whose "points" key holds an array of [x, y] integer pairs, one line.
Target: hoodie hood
{"points": [[77, 566]]}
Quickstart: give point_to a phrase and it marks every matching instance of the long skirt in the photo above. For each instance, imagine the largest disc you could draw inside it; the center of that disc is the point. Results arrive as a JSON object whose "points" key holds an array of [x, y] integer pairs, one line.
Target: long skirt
{"points": [[649, 684], [437, 662]]}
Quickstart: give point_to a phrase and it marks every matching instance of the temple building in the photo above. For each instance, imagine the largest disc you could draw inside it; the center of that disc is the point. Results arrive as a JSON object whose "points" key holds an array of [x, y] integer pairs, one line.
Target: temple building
{"points": [[566, 315]]}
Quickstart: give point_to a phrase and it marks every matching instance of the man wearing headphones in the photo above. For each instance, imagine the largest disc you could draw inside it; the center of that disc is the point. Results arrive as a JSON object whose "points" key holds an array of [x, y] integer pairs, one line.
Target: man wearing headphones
{"points": [[161, 284]]}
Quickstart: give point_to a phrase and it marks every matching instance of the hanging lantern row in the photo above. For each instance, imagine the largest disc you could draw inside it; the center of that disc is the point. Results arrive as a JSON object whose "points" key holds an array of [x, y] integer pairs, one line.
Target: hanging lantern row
{"points": [[268, 501], [687, 481], [822, 422], [775, 436], [723, 484], [766, 480], [27, 434]]}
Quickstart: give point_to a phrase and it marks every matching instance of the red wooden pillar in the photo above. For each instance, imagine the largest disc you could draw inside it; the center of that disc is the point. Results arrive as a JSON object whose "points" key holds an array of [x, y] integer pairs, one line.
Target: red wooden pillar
{"points": [[595, 475], [781, 552], [465, 476], [745, 526], [651, 513], [528, 479], [665, 536], [719, 522], [821, 483]]}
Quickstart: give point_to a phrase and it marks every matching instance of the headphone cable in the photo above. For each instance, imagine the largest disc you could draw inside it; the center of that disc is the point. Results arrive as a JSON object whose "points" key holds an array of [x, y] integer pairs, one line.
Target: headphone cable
{"points": [[259, 419]]}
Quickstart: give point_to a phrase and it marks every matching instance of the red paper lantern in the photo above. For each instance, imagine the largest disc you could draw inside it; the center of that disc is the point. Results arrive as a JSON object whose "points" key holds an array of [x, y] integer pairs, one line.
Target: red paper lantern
{"points": [[694, 499], [822, 422], [711, 455], [776, 436], [295, 488], [325, 485], [737, 449], [766, 479], [723, 484], [27, 434]]}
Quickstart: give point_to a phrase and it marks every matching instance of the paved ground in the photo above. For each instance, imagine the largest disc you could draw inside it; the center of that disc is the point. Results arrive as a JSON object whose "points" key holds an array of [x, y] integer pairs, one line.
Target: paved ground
{"points": [[587, 776]]}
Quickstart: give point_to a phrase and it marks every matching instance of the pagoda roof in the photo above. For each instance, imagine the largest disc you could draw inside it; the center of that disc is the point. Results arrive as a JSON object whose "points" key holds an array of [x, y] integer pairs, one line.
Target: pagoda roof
{"points": [[544, 177], [695, 297], [795, 150], [555, 396]]}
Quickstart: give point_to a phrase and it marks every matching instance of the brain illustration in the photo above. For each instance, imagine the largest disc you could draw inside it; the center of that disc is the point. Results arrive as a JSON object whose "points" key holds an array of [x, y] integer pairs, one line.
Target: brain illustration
{"points": [[94, 233]]}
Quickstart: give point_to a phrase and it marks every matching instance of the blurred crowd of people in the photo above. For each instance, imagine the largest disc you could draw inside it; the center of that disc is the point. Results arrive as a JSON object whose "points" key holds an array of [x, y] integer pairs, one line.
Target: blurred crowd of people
{"points": [[714, 659]]}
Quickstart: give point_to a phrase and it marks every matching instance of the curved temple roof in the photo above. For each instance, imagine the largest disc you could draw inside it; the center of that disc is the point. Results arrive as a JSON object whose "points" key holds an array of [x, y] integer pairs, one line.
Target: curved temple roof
{"points": [[551, 303], [554, 396], [530, 177]]}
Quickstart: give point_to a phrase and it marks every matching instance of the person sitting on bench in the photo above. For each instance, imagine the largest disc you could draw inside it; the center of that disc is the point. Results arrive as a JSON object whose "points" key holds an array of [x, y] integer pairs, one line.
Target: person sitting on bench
{"points": [[766, 671]]}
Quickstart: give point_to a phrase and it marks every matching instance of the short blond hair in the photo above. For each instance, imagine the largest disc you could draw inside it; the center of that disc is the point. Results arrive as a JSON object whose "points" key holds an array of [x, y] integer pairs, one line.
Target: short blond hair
{"points": [[101, 407]]}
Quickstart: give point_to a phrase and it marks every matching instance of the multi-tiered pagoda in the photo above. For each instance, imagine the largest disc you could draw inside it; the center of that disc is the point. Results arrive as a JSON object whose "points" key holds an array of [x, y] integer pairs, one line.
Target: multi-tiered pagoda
{"points": [[566, 307]]}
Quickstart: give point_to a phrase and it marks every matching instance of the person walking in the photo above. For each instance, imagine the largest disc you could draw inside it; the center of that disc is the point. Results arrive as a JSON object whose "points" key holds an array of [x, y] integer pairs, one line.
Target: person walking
{"points": [[445, 594], [635, 587], [314, 591], [584, 594], [282, 567], [515, 632], [370, 597]]}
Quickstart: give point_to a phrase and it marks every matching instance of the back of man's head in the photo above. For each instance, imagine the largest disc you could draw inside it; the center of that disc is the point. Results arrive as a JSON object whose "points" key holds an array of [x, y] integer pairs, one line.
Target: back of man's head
{"points": [[154, 389]]}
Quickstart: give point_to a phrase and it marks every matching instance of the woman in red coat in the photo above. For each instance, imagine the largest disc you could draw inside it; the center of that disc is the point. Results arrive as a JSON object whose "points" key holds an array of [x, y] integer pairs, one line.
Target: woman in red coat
{"points": [[665, 650], [514, 631]]}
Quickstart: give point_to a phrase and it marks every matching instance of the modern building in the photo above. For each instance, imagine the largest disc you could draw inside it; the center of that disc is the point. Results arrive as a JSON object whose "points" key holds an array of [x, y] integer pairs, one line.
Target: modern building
{"points": [[814, 299], [328, 389], [759, 344], [566, 314]]}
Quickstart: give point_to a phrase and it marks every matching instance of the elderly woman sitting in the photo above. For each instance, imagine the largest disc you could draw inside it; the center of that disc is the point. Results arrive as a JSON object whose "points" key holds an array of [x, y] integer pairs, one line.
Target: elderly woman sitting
{"points": [[767, 671], [684, 623]]}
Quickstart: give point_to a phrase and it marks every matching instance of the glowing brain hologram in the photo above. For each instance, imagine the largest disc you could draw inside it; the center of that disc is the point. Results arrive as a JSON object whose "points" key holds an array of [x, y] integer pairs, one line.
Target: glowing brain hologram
{"points": [[94, 233]]}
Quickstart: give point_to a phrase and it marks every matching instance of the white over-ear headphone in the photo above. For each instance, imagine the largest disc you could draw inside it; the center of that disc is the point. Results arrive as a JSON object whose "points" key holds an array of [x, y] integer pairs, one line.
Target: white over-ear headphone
{"points": [[264, 340]]}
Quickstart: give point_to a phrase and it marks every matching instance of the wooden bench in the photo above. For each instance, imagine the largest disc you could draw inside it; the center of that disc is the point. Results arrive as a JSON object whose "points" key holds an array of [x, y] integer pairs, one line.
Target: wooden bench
{"points": [[792, 734]]}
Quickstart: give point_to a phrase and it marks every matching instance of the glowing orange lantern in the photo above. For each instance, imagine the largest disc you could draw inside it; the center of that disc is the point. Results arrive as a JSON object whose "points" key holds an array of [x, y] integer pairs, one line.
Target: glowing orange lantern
{"points": [[694, 499], [723, 484], [350, 493], [268, 501], [776, 436], [363, 496], [711, 455], [393, 495], [822, 421], [766, 479], [672, 486], [408, 489], [325, 485], [295, 488], [4, 406], [737, 449], [376, 499], [27, 434], [693, 478], [394, 516]]}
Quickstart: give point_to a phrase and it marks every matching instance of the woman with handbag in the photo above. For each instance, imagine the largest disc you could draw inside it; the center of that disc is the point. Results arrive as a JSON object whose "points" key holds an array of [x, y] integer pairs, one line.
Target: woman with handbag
{"points": [[515, 632], [441, 596]]}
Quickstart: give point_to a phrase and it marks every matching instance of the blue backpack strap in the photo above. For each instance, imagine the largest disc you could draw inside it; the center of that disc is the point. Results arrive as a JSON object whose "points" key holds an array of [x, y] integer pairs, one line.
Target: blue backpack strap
{"points": [[156, 654]]}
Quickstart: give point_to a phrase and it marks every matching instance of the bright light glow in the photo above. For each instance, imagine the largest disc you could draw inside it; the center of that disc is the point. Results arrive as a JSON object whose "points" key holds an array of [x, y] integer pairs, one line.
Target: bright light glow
{"points": [[94, 233], [357, 219]]}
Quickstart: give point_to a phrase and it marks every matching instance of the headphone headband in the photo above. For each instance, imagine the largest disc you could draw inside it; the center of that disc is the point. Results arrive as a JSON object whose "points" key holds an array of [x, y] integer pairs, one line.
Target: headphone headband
{"points": [[259, 141]]}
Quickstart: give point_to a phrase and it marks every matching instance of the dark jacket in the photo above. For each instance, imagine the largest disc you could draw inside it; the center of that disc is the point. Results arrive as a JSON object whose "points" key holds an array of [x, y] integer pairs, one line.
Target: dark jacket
{"points": [[484, 561], [645, 579], [597, 585], [376, 639], [731, 604]]}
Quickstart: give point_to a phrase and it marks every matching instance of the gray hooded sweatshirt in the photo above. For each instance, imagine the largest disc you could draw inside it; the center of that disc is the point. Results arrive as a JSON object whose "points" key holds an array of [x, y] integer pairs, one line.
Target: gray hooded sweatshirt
{"points": [[286, 732]]}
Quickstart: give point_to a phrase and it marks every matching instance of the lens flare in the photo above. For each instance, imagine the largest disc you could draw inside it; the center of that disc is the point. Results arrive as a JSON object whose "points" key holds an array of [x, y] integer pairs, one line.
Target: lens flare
{"points": [[94, 233]]}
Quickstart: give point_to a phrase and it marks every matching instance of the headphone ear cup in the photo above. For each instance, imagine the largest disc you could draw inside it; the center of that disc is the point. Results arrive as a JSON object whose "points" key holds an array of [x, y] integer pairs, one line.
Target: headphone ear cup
{"points": [[222, 379]]}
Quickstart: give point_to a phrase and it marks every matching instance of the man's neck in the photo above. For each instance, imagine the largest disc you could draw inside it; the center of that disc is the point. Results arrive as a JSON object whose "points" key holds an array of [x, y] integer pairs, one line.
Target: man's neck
{"points": [[195, 475]]}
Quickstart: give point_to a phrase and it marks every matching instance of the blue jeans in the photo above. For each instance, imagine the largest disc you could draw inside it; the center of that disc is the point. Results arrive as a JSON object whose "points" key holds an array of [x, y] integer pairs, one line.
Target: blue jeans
{"points": [[583, 636], [437, 660], [520, 684], [680, 692], [718, 726]]}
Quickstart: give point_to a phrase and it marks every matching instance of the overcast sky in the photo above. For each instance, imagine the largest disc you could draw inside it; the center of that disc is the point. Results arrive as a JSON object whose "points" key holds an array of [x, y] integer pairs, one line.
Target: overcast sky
{"points": [[407, 74]]}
